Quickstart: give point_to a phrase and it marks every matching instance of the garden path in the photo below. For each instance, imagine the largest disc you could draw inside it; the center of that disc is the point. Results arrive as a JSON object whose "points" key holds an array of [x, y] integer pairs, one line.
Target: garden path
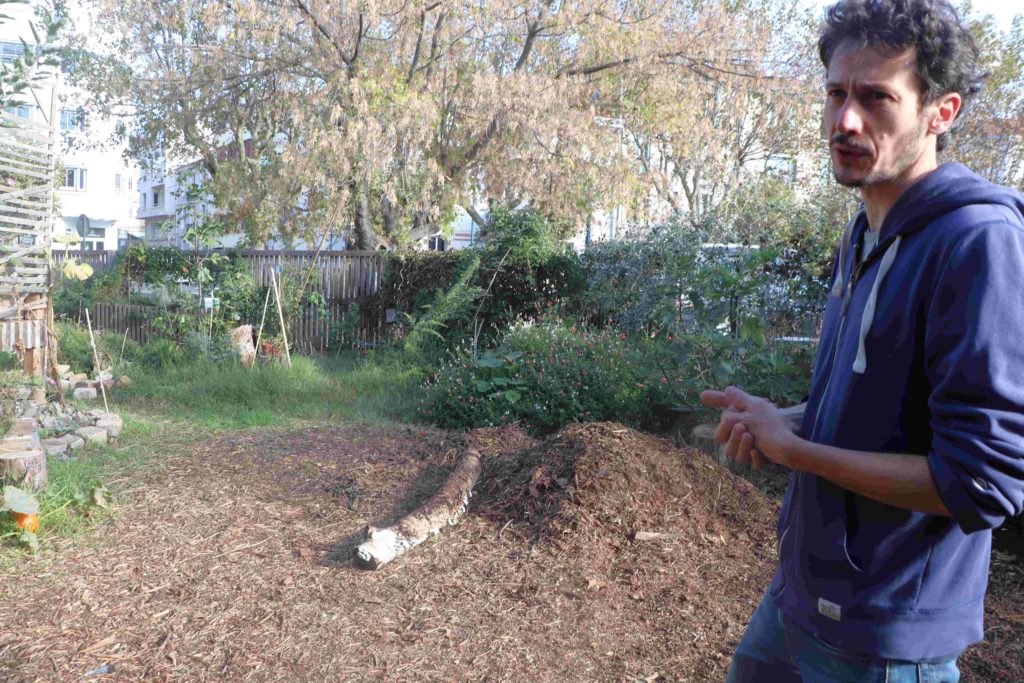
{"points": [[232, 563]]}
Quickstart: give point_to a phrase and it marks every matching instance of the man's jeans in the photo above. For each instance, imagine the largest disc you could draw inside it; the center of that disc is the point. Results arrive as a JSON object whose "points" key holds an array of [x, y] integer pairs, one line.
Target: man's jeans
{"points": [[776, 650]]}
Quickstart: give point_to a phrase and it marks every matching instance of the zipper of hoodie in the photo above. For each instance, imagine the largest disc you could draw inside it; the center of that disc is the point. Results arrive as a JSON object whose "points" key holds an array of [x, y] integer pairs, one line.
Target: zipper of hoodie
{"points": [[847, 295]]}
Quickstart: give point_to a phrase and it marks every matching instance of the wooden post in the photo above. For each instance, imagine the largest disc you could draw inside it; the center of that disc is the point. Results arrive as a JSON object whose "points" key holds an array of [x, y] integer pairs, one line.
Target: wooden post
{"points": [[123, 342], [280, 315], [96, 359], [259, 335]]}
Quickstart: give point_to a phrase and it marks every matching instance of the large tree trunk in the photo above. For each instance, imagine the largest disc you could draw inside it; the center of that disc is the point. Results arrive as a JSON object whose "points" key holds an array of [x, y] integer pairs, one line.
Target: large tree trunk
{"points": [[364, 237], [389, 212], [443, 509]]}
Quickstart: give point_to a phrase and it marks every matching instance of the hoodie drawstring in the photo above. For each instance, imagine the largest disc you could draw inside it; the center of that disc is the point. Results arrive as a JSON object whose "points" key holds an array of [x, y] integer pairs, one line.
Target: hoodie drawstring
{"points": [[844, 248], [860, 364]]}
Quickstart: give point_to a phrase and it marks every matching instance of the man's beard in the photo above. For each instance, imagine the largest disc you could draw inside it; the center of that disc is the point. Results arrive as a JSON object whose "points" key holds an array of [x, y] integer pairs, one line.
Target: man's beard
{"points": [[908, 146]]}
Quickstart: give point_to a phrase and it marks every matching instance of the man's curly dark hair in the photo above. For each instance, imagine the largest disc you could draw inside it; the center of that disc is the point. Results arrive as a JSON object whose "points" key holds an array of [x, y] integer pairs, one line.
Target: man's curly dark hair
{"points": [[947, 55]]}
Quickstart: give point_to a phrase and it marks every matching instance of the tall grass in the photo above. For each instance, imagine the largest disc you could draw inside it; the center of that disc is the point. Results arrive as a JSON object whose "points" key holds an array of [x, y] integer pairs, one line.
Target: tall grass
{"points": [[224, 395]]}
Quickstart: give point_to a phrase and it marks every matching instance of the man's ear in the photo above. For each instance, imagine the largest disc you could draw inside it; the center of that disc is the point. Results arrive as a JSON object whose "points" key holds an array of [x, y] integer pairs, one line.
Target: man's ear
{"points": [[944, 113]]}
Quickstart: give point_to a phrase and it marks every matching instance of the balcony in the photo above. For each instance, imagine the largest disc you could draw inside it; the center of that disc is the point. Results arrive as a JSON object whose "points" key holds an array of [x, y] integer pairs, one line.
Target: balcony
{"points": [[158, 211]]}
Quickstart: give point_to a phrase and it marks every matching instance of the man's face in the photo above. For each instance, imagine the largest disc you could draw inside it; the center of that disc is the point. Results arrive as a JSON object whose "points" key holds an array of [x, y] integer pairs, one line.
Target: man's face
{"points": [[876, 125]]}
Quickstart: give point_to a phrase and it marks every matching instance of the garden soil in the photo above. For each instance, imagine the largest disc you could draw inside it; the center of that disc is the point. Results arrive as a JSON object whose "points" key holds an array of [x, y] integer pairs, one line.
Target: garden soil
{"points": [[598, 554]]}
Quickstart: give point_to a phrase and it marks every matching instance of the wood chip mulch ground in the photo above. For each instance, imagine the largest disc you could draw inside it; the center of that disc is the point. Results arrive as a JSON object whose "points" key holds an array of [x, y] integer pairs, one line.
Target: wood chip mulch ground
{"points": [[599, 554]]}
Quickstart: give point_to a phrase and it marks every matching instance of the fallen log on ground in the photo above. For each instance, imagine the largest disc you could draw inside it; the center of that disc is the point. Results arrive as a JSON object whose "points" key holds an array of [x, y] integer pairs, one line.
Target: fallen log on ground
{"points": [[442, 509]]}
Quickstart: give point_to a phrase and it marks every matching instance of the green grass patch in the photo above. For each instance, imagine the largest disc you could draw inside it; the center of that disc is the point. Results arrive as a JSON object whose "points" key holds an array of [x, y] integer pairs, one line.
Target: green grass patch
{"points": [[226, 395], [74, 500]]}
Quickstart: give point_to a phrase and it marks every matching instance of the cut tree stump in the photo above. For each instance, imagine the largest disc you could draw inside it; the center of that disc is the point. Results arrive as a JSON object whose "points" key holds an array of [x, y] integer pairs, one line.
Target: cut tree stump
{"points": [[24, 468], [443, 509]]}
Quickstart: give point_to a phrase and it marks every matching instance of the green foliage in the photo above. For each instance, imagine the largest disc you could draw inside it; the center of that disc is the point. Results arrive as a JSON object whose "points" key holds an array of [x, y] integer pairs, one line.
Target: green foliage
{"points": [[38, 50], [200, 347], [9, 361], [452, 305], [543, 376], [20, 502], [343, 332], [161, 354], [152, 265], [74, 347], [668, 283], [523, 271], [75, 496], [680, 367], [525, 237]]}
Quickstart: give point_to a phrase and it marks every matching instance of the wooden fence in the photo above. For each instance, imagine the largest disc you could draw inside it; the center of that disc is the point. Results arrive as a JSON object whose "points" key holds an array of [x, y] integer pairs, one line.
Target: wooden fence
{"points": [[310, 332], [341, 277]]}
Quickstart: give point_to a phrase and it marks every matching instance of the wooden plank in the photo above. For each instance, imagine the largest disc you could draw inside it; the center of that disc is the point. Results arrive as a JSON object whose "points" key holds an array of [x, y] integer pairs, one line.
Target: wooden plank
{"points": [[24, 126], [19, 171], [26, 157], [42, 149], [22, 210], [25, 192], [37, 222], [25, 205]]}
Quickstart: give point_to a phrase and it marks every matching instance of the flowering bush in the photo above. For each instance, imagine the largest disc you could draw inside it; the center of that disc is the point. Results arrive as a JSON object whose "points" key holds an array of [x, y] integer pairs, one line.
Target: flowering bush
{"points": [[543, 376]]}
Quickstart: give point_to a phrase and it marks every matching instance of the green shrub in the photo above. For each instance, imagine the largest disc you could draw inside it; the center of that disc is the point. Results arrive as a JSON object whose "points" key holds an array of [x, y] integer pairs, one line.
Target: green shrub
{"points": [[524, 270], [9, 361], [74, 347], [199, 348], [543, 376], [159, 354], [680, 367]]}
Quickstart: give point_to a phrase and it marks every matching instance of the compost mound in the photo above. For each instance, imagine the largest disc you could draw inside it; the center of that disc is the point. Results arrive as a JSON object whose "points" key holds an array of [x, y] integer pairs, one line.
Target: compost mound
{"points": [[499, 441], [602, 484]]}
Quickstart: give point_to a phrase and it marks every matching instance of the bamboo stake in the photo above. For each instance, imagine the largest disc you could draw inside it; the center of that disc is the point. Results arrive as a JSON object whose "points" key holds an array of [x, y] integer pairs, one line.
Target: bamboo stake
{"points": [[96, 359], [259, 335], [280, 315], [124, 341]]}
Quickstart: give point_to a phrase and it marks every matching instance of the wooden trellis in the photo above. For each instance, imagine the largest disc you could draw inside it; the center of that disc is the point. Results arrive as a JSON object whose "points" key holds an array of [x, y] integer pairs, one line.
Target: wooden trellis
{"points": [[28, 161]]}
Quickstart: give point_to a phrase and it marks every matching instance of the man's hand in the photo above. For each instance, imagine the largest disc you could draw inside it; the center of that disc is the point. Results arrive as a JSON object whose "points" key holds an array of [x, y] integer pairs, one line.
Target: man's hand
{"points": [[752, 429]]}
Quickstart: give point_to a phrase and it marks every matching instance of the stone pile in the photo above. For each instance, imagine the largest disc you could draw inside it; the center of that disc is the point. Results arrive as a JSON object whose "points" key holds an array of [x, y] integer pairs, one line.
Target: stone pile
{"points": [[81, 387], [59, 429]]}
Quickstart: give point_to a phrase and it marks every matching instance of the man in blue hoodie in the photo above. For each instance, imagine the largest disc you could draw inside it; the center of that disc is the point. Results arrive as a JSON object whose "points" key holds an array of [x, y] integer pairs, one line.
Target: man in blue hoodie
{"points": [[911, 447]]}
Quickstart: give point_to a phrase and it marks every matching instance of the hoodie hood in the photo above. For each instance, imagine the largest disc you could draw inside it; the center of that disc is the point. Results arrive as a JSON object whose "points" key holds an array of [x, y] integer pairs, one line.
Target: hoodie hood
{"points": [[948, 188]]}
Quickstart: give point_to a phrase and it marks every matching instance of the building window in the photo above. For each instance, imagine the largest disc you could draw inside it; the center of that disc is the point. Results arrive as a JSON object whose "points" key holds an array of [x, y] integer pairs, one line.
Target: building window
{"points": [[143, 200], [131, 183], [71, 119], [117, 183], [436, 243], [74, 179], [10, 51], [156, 198], [22, 111]]}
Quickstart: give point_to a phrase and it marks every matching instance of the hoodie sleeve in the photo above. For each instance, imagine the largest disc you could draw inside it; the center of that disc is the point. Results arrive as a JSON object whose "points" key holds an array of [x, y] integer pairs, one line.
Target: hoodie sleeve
{"points": [[975, 363]]}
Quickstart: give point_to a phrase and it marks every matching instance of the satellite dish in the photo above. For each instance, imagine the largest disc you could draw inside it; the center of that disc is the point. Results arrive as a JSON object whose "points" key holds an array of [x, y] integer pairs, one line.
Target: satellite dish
{"points": [[83, 225]]}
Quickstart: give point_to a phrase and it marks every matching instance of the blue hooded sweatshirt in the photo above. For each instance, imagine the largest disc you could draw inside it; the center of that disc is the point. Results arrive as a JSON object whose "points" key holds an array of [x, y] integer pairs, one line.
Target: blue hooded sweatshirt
{"points": [[922, 352]]}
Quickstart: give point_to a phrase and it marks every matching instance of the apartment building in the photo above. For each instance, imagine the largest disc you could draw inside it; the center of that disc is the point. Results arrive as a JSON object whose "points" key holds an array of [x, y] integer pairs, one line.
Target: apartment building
{"points": [[97, 197]]}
